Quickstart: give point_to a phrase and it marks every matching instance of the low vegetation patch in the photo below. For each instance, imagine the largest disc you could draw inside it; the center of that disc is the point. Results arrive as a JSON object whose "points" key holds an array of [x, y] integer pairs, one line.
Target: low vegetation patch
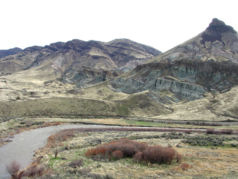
{"points": [[60, 136], [33, 170], [140, 152], [210, 140], [222, 131]]}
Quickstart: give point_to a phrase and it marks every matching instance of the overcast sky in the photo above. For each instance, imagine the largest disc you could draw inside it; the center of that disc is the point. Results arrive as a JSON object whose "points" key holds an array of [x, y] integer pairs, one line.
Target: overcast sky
{"points": [[161, 24]]}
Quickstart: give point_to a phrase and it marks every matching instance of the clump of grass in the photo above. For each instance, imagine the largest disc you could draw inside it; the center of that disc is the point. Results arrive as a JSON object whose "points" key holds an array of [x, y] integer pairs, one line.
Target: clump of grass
{"points": [[140, 152], [76, 163]]}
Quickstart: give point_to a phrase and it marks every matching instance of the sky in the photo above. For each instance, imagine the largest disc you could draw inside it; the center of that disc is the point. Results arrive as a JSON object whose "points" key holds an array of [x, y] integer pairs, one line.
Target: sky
{"points": [[161, 24]]}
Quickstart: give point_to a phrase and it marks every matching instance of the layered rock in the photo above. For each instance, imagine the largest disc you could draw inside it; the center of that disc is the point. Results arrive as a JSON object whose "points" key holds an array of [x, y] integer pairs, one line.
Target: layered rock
{"points": [[206, 63]]}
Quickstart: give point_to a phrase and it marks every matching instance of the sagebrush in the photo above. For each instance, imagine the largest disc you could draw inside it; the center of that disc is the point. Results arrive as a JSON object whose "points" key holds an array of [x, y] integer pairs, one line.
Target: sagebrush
{"points": [[140, 152]]}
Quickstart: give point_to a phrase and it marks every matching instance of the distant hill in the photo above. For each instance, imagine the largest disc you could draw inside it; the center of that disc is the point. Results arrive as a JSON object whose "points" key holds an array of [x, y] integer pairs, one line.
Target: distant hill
{"points": [[68, 60]]}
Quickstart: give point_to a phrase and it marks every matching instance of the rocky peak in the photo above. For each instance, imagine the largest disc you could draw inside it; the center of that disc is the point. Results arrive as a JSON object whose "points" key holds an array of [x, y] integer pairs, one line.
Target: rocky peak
{"points": [[215, 30], [219, 26]]}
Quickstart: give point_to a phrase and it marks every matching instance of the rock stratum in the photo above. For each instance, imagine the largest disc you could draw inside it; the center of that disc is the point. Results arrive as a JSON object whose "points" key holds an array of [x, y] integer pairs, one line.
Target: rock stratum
{"points": [[207, 63]]}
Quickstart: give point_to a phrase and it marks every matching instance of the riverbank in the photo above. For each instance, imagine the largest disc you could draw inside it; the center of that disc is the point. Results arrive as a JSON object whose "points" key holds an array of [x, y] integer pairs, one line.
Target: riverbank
{"points": [[18, 125]]}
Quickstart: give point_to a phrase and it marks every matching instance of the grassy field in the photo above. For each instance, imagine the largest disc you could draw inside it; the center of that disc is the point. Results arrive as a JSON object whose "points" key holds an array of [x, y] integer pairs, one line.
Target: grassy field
{"points": [[199, 160], [203, 155]]}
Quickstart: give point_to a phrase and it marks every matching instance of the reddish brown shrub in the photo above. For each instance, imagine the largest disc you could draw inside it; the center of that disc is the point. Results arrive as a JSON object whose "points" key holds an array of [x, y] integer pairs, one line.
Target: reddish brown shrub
{"points": [[139, 151], [138, 157], [101, 150], [117, 155], [185, 166], [60, 136], [33, 171], [13, 169], [127, 149], [159, 154], [126, 146]]}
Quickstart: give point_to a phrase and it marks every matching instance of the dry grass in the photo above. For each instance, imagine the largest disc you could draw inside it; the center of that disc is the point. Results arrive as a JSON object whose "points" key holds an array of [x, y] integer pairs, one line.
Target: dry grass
{"points": [[197, 161], [61, 136]]}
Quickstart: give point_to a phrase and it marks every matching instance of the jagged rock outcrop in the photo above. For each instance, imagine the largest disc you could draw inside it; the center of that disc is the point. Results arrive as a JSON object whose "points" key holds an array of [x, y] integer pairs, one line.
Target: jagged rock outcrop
{"points": [[219, 42], [216, 31], [85, 76]]}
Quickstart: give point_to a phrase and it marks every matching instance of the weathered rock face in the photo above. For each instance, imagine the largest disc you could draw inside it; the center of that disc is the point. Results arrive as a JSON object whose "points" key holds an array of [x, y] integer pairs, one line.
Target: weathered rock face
{"points": [[206, 63], [85, 76], [185, 79]]}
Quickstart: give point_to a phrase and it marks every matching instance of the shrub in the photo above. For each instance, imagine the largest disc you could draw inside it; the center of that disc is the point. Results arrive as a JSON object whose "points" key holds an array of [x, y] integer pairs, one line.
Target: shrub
{"points": [[76, 163], [226, 131], [126, 146], [159, 154], [13, 169], [117, 154], [60, 136], [185, 166], [101, 150], [222, 131], [210, 131], [33, 171], [139, 151], [138, 157]]}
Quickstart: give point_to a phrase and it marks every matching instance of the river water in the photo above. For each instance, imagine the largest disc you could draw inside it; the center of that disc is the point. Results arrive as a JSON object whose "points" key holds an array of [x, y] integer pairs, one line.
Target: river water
{"points": [[23, 145]]}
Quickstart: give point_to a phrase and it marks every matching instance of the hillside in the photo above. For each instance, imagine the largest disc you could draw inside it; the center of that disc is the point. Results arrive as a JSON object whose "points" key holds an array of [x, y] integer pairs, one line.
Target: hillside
{"points": [[204, 64], [66, 59], [4, 53]]}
